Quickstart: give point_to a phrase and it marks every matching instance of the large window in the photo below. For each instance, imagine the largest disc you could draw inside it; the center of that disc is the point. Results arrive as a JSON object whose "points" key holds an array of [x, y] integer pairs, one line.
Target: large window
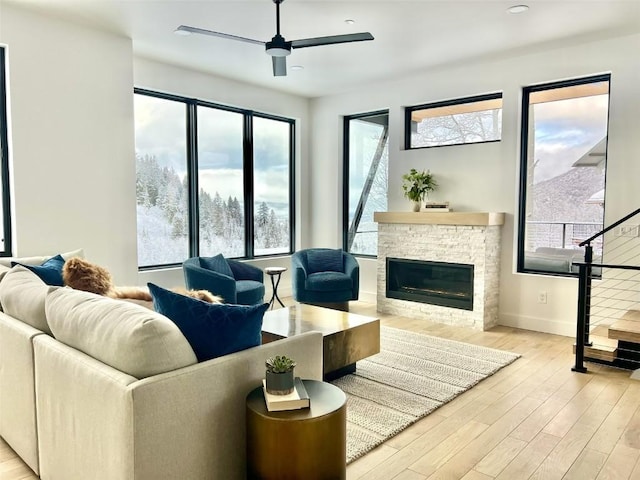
{"points": [[366, 158], [454, 122], [210, 179], [562, 173], [5, 234]]}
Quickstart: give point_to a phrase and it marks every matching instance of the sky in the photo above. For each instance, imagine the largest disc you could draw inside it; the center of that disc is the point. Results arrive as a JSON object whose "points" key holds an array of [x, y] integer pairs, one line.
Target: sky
{"points": [[161, 132], [565, 130]]}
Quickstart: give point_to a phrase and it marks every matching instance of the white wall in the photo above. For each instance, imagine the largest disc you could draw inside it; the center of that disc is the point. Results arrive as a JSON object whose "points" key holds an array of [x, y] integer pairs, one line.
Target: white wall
{"points": [[484, 177], [72, 149], [179, 81], [71, 153]]}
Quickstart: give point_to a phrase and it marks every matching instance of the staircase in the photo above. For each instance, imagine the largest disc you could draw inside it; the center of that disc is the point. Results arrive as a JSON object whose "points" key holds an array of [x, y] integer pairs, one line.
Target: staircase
{"points": [[608, 324], [617, 344]]}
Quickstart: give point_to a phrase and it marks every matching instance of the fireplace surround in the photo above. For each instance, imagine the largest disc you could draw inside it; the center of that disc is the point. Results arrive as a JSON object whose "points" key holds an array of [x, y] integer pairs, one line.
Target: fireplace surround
{"points": [[466, 238]]}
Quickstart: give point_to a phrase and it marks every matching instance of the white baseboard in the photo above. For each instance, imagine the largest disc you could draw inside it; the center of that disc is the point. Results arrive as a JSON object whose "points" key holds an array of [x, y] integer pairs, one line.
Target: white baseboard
{"points": [[544, 325]]}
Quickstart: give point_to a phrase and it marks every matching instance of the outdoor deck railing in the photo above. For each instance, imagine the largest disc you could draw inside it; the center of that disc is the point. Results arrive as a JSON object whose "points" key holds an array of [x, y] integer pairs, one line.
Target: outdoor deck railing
{"points": [[562, 234]]}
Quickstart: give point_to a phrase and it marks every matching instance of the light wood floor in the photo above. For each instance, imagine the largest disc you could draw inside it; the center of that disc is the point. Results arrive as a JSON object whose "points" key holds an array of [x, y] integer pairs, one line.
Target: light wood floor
{"points": [[533, 419]]}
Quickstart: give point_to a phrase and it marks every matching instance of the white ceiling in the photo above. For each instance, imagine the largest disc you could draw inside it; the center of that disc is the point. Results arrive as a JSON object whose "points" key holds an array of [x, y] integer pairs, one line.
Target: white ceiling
{"points": [[409, 36]]}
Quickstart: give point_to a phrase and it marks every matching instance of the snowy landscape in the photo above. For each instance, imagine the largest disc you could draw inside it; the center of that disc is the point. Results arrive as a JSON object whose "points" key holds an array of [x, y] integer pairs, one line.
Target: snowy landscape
{"points": [[162, 207]]}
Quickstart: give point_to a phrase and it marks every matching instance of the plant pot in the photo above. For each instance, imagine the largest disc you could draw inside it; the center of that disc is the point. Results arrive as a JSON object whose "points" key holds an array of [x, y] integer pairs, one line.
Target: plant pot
{"points": [[417, 206], [279, 383]]}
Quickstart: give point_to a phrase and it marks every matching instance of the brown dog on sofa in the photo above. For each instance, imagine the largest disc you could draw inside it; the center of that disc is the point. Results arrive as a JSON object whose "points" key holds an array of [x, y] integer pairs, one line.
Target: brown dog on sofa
{"points": [[83, 275]]}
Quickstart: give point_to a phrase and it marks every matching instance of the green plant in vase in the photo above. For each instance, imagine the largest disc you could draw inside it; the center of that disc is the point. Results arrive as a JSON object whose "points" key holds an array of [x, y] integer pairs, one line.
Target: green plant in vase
{"points": [[279, 375], [417, 185]]}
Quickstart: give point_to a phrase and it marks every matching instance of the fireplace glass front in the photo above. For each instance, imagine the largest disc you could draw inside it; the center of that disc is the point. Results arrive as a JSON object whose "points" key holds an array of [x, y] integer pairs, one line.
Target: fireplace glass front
{"points": [[437, 283]]}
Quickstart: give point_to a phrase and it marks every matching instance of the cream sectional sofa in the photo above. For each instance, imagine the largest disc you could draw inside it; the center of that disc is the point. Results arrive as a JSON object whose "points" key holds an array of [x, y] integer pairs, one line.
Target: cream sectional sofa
{"points": [[95, 388]]}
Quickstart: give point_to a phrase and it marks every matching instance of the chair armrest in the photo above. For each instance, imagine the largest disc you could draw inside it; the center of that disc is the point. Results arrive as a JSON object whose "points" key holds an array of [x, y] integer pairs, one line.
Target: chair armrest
{"points": [[352, 268], [198, 278], [298, 277], [245, 271], [298, 262]]}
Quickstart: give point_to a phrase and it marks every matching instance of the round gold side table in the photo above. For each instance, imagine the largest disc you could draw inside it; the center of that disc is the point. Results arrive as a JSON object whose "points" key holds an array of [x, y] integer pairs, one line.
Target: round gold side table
{"points": [[307, 444]]}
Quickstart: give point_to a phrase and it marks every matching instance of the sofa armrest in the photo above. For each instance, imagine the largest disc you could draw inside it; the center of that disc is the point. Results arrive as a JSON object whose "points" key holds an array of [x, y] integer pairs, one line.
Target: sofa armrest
{"points": [[202, 407], [101, 424]]}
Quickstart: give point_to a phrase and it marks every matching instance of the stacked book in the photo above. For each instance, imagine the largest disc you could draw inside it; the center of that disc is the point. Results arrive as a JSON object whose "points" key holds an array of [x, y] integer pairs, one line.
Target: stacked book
{"points": [[295, 400], [437, 207]]}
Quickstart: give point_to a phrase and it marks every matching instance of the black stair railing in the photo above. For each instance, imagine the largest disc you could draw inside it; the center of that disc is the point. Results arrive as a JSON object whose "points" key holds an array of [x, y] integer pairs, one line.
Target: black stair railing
{"points": [[585, 275]]}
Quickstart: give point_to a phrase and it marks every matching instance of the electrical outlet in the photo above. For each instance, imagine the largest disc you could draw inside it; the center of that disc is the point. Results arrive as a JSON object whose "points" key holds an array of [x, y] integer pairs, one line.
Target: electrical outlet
{"points": [[628, 231], [542, 296]]}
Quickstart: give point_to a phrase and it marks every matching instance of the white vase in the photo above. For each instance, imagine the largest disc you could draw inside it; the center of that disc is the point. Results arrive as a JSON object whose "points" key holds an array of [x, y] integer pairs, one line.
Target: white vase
{"points": [[417, 206]]}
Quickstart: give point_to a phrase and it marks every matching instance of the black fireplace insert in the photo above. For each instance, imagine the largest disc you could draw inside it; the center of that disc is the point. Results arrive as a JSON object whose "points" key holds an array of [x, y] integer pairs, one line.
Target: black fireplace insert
{"points": [[438, 283]]}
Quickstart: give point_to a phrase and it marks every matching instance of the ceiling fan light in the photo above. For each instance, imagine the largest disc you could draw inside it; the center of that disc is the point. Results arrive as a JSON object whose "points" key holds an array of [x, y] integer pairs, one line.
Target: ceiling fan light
{"points": [[278, 52]]}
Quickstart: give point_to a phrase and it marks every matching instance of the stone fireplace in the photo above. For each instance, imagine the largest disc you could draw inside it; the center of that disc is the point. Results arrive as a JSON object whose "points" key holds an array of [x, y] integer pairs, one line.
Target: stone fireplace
{"points": [[443, 267]]}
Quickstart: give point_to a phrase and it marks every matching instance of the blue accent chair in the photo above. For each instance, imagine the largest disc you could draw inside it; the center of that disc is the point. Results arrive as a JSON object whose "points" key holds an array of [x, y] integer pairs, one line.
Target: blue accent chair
{"points": [[236, 282], [325, 277]]}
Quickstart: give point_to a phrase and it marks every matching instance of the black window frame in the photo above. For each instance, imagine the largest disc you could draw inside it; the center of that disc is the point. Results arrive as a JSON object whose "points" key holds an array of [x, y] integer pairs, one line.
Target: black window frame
{"points": [[191, 105], [524, 145], [4, 159], [445, 103], [345, 176]]}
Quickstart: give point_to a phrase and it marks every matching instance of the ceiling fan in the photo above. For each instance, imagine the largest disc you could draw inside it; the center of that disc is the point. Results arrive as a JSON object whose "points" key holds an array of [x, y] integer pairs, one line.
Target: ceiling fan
{"points": [[278, 47]]}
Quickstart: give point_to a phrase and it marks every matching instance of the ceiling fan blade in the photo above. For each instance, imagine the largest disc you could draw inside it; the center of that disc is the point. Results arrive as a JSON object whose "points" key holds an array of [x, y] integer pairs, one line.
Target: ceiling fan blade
{"points": [[315, 42], [279, 66], [186, 29]]}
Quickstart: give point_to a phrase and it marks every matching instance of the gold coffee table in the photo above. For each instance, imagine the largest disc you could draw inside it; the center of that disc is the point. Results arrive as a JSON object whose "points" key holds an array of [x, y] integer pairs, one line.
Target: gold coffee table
{"points": [[307, 444], [347, 337]]}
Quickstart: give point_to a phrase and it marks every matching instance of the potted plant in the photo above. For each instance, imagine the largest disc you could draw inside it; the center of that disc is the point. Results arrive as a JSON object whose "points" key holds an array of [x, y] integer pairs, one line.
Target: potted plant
{"points": [[417, 185], [279, 375]]}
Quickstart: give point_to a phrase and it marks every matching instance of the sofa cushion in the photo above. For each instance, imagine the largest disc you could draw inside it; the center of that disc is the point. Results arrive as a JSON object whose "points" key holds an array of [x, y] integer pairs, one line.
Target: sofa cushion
{"points": [[38, 260], [213, 330], [22, 295], [249, 292], [128, 337], [217, 264], [3, 271], [547, 263], [50, 272]]}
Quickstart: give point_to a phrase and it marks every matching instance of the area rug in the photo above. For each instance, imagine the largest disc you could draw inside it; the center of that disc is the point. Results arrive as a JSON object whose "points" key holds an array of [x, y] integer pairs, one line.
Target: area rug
{"points": [[411, 376]]}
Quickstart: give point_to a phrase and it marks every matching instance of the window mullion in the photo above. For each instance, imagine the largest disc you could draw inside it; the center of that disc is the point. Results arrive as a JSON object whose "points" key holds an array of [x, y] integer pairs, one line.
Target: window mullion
{"points": [[248, 185], [4, 160], [192, 179]]}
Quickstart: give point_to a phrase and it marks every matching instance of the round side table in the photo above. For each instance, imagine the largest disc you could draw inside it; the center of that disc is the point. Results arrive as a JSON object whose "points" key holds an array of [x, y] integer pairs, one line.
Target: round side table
{"points": [[275, 273], [308, 444]]}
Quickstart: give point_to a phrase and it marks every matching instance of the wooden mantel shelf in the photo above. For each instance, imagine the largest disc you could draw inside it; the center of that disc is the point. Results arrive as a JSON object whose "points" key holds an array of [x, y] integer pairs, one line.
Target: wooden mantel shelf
{"points": [[441, 218]]}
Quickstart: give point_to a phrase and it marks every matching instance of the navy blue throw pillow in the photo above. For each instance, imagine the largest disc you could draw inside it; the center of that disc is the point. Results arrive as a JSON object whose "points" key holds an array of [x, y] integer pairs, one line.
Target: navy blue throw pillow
{"points": [[50, 272], [324, 261], [217, 264], [212, 329]]}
